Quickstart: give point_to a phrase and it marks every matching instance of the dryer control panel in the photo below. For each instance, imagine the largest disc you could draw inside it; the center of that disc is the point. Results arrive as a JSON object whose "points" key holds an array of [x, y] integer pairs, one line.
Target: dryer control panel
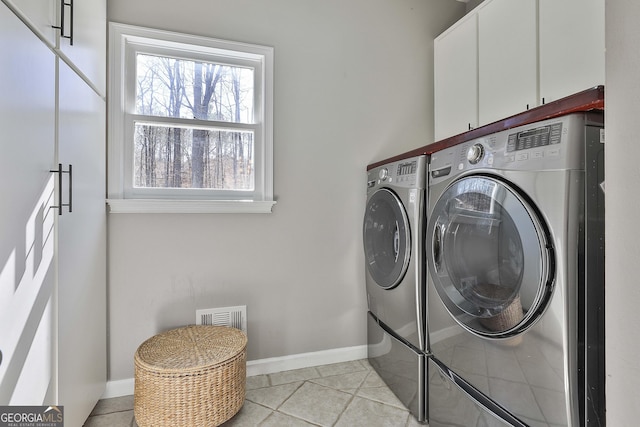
{"points": [[533, 138], [551, 144]]}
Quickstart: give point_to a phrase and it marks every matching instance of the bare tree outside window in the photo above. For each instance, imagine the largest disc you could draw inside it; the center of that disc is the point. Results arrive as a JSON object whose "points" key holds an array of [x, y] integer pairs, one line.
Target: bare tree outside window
{"points": [[211, 154]]}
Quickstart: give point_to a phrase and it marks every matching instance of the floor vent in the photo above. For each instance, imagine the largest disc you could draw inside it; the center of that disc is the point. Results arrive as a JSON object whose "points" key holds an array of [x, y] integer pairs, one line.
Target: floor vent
{"points": [[225, 316]]}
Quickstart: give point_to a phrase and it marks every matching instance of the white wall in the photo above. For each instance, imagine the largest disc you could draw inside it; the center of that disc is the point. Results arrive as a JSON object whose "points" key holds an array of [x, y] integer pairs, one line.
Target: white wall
{"points": [[622, 148], [353, 85]]}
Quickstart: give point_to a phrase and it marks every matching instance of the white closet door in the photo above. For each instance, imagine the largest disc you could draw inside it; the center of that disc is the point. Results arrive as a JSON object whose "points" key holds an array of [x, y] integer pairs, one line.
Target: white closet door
{"points": [[27, 129], [40, 15], [89, 48], [81, 249]]}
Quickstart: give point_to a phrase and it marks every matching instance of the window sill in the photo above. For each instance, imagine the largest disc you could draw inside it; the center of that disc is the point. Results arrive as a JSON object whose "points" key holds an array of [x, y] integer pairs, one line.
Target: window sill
{"points": [[188, 206]]}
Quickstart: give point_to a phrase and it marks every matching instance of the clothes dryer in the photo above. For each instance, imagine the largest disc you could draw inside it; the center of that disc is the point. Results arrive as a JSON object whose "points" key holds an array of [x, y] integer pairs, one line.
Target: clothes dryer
{"points": [[515, 308], [393, 237]]}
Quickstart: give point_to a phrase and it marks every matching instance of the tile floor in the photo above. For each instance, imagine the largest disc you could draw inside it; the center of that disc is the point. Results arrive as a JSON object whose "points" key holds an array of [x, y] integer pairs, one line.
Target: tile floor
{"points": [[349, 394]]}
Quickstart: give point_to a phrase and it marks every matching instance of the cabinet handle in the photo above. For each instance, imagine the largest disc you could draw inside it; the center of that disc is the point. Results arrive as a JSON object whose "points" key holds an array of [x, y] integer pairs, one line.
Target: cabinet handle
{"points": [[543, 100], [70, 204], [60, 205], [61, 26]]}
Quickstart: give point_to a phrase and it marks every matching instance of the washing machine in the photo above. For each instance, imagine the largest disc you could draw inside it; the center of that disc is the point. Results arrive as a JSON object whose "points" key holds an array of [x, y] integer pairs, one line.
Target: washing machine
{"points": [[516, 279], [393, 238]]}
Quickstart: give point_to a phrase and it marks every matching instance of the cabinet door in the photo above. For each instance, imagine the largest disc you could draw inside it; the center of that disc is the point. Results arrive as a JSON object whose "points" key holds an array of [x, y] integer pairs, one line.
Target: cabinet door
{"points": [[571, 47], [81, 249], [27, 121], [508, 68], [456, 82], [88, 52], [40, 15]]}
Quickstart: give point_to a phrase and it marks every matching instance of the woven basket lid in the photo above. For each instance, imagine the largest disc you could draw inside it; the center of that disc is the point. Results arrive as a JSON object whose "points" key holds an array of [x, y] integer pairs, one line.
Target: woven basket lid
{"points": [[190, 348]]}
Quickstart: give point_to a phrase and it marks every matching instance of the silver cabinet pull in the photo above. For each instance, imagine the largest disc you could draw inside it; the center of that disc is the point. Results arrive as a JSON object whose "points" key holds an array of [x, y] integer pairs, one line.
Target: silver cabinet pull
{"points": [[60, 27], [60, 205]]}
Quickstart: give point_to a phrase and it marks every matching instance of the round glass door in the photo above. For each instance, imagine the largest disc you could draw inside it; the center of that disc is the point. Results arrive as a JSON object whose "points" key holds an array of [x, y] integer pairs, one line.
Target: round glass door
{"points": [[491, 260], [386, 238]]}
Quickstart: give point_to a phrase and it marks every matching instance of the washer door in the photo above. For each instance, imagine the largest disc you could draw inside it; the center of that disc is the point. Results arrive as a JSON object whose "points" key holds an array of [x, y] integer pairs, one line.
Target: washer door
{"points": [[387, 238], [491, 261]]}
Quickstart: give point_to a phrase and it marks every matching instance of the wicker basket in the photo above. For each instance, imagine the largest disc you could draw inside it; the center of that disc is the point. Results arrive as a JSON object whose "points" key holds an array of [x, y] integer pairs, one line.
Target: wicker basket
{"points": [[190, 376]]}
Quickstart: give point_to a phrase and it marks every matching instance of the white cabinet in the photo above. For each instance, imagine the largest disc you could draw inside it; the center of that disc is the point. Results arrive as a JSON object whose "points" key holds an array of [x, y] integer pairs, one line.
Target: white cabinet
{"points": [[53, 277], [455, 73], [41, 15], [526, 53], [88, 52], [82, 341], [507, 59], [81, 37], [27, 120], [571, 47]]}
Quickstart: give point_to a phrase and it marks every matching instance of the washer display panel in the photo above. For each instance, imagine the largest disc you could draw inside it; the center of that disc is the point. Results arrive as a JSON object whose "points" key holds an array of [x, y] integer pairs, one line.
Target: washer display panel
{"points": [[491, 264], [386, 238]]}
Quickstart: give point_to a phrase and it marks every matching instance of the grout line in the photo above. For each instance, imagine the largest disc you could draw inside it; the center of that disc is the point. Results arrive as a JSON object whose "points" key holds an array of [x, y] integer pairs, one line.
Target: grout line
{"points": [[353, 396]]}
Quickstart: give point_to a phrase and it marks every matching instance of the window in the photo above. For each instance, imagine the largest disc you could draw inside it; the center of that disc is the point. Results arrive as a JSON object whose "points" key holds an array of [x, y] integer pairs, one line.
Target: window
{"points": [[190, 123]]}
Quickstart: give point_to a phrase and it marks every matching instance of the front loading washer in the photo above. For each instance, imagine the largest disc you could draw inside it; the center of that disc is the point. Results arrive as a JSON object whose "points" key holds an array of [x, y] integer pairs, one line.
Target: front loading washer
{"points": [[515, 277], [393, 238]]}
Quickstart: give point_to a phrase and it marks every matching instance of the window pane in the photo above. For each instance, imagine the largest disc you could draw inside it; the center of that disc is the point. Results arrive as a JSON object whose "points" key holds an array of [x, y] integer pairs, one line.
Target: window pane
{"points": [[172, 87], [172, 157]]}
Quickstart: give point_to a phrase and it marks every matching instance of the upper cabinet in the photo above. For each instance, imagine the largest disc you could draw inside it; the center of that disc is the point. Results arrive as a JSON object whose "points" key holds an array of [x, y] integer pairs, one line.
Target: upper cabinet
{"points": [[40, 15], [522, 54], [76, 30], [86, 49], [507, 58], [456, 62], [571, 47]]}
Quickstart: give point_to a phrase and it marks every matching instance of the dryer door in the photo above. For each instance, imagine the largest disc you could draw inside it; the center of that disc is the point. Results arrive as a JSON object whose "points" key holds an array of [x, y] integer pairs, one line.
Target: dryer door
{"points": [[387, 238], [491, 261]]}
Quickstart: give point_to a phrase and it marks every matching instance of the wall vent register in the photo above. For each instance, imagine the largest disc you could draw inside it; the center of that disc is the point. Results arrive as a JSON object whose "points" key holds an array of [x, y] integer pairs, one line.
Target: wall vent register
{"points": [[235, 317]]}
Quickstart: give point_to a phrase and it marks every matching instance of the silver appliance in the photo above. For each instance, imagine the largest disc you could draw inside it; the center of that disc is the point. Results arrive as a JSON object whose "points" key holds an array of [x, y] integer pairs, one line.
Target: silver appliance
{"points": [[393, 237], [516, 278]]}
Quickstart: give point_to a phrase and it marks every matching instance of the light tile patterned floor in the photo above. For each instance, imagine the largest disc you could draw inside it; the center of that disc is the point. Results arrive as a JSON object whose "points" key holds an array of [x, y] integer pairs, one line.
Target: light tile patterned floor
{"points": [[349, 394]]}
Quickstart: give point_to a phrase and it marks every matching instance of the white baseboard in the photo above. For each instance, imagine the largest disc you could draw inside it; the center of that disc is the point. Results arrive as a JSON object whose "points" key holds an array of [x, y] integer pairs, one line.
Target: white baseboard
{"points": [[305, 360], [271, 365]]}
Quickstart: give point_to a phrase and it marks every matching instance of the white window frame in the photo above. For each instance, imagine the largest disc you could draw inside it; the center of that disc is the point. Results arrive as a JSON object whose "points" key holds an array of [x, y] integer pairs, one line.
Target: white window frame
{"points": [[125, 41]]}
